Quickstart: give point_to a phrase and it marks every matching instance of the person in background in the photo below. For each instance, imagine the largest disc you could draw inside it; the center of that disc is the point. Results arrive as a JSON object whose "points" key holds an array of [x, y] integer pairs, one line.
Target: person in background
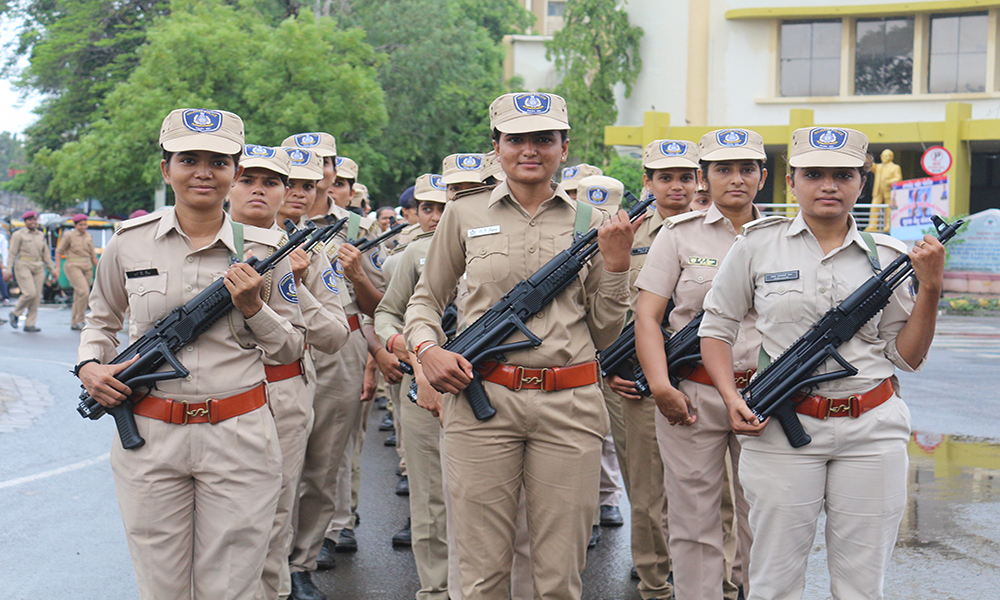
{"points": [[5, 273], [77, 247], [385, 216], [30, 257], [571, 177]]}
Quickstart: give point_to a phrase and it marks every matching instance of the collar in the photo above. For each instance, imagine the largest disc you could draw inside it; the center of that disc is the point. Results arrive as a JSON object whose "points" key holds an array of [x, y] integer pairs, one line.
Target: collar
{"points": [[799, 226], [713, 214], [502, 190], [169, 223], [655, 219]]}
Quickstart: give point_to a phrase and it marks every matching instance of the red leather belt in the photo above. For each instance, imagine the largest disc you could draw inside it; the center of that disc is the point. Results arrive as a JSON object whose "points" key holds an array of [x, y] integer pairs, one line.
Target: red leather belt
{"points": [[549, 379], [821, 407], [699, 374], [275, 373], [354, 322], [211, 411]]}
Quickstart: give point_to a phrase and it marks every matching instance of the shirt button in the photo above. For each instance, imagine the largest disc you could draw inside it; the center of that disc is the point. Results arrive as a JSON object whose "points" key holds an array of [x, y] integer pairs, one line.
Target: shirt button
{"points": [[531, 249], [189, 378], [189, 348], [482, 251], [532, 223], [142, 289], [837, 385], [823, 262], [540, 315], [701, 278], [190, 259], [822, 290], [781, 288], [189, 288]]}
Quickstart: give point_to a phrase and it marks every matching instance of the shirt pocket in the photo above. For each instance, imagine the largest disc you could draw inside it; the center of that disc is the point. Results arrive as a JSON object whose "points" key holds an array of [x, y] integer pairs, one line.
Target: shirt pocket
{"points": [[487, 259], [784, 300], [694, 283], [147, 297]]}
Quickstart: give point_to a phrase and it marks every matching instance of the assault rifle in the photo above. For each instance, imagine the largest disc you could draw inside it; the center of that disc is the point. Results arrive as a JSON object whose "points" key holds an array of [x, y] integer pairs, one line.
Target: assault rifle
{"points": [[484, 339], [325, 233], [364, 244], [619, 358], [449, 323], [683, 349], [770, 393], [176, 330]]}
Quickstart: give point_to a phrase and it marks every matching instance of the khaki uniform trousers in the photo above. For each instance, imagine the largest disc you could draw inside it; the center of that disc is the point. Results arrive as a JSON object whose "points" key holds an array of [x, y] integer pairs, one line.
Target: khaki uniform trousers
{"points": [[292, 404], [30, 278], [549, 444], [854, 470], [337, 410], [428, 516], [642, 471], [79, 271], [198, 504], [696, 482]]}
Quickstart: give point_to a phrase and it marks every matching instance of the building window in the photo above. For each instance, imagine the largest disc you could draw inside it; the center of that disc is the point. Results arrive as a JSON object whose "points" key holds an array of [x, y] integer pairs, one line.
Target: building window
{"points": [[555, 9], [958, 53], [883, 56], [810, 58]]}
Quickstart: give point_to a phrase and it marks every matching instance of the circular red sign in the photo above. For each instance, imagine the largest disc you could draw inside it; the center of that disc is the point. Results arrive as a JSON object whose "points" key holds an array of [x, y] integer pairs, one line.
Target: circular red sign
{"points": [[936, 160]]}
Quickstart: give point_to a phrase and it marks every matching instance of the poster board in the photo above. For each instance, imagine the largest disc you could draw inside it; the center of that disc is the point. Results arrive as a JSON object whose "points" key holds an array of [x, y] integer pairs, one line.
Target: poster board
{"points": [[914, 202]]}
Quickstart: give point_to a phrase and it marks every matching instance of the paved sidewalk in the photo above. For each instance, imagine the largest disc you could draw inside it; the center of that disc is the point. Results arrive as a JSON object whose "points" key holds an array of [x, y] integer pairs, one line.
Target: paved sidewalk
{"points": [[21, 400]]}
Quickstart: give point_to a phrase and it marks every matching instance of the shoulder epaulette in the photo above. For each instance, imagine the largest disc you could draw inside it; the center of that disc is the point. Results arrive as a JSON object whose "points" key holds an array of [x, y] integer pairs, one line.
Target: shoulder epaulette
{"points": [[888, 241], [136, 222], [763, 223], [268, 237], [467, 193], [399, 248], [683, 218]]}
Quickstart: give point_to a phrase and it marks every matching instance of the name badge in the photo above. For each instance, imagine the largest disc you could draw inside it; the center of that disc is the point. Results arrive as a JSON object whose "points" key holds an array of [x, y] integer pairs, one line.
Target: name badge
{"points": [[484, 231], [702, 261], [141, 273], [640, 251], [783, 276]]}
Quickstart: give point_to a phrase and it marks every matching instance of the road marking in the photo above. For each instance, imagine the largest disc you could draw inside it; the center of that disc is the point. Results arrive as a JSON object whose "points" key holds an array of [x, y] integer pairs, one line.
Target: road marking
{"points": [[53, 472]]}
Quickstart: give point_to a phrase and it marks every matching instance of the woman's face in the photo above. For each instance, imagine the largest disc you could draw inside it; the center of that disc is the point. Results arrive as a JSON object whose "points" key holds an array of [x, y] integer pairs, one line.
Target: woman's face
{"points": [[341, 191], [674, 188], [299, 199], [80, 226], [826, 192], [429, 214], [257, 195], [201, 179], [733, 184], [531, 158]]}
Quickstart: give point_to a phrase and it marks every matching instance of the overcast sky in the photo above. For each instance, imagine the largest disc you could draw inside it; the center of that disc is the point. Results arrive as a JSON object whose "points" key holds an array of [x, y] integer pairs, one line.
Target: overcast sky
{"points": [[15, 114]]}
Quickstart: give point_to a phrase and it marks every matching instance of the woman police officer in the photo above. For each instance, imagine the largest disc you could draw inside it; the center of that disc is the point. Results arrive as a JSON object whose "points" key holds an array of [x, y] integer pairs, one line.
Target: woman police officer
{"points": [[791, 271]]}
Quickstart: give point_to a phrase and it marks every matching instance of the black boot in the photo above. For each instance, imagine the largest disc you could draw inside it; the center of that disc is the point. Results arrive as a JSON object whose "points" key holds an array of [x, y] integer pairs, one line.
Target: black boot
{"points": [[326, 558], [403, 537], [303, 587]]}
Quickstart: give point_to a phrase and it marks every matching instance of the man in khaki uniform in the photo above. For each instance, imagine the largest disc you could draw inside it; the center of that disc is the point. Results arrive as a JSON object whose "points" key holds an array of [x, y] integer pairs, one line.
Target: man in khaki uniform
{"points": [[198, 499], [692, 425], [546, 442], [30, 257], [77, 247], [255, 199], [337, 407]]}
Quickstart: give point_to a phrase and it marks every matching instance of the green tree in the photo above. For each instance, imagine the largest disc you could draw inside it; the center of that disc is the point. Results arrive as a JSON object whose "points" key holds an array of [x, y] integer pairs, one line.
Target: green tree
{"points": [[305, 74], [498, 17], [595, 50], [12, 154]]}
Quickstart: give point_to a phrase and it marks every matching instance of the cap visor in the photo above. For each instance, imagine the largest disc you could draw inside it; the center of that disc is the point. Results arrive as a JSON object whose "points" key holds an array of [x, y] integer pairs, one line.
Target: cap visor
{"points": [[732, 154], [304, 173], [435, 196], [825, 158], [530, 123], [250, 163], [671, 163], [209, 143], [461, 177]]}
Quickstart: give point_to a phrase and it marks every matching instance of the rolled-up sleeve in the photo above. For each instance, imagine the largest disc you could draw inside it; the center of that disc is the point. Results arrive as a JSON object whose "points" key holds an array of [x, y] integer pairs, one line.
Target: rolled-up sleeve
{"points": [[108, 302]]}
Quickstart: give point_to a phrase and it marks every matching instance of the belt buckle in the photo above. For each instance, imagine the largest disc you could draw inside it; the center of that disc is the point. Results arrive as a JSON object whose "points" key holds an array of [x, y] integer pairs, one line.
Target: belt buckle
{"points": [[743, 380], [520, 379], [852, 407], [197, 412]]}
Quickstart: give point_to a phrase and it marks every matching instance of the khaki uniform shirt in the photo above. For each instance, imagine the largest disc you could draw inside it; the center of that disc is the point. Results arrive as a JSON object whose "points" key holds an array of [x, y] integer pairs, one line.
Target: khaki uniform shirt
{"points": [[391, 311], [30, 246], [778, 267], [373, 258], [149, 267], [489, 236], [643, 240], [683, 262], [407, 235], [76, 246]]}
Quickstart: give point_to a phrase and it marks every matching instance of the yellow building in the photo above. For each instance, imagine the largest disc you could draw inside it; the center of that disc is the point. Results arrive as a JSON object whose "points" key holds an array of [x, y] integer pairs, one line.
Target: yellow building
{"points": [[910, 75]]}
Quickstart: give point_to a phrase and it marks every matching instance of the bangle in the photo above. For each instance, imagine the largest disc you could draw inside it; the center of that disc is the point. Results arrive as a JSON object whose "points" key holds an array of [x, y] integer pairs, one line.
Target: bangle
{"points": [[391, 340], [76, 370], [425, 347]]}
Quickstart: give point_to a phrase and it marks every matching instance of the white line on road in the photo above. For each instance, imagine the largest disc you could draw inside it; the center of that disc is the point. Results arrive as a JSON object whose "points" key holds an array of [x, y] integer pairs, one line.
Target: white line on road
{"points": [[52, 472]]}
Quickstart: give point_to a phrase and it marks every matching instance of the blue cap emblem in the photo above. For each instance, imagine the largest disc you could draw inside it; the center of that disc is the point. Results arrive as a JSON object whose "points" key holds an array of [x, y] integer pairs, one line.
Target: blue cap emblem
{"points": [[299, 157], [340, 160], [377, 259], [598, 194], [338, 269], [306, 140], [533, 104], [202, 121], [330, 281], [828, 139], [437, 184], [731, 138], [570, 172], [470, 162], [672, 148], [287, 289], [255, 151]]}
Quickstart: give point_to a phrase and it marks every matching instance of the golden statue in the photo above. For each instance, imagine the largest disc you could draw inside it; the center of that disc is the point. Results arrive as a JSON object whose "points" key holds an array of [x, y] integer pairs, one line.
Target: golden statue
{"points": [[886, 174]]}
